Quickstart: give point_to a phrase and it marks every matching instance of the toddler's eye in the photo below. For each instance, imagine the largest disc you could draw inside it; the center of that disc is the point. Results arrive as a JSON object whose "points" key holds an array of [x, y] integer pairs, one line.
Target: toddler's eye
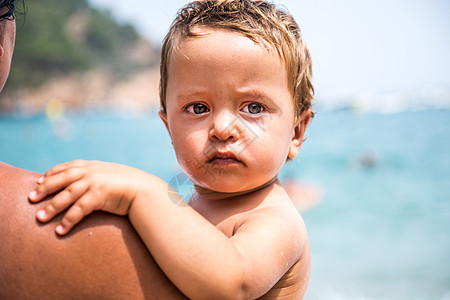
{"points": [[253, 108], [197, 108]]}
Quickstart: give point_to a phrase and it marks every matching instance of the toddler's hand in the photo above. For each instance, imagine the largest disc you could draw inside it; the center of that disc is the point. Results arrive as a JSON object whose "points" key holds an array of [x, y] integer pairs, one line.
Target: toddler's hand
{"points": [[89, 186]]}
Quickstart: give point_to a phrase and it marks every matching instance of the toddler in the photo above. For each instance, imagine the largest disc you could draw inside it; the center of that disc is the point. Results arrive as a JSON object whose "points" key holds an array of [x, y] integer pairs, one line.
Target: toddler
{"points": [[235, 98]]}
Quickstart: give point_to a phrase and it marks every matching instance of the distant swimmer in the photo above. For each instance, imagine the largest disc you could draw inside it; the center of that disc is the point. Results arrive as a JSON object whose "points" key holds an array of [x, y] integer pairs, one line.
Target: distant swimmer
{"points": [[368, 159]]}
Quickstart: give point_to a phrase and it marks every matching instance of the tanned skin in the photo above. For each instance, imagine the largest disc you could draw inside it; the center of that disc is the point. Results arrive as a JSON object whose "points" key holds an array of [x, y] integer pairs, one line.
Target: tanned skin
{"points": [[102, 258]]}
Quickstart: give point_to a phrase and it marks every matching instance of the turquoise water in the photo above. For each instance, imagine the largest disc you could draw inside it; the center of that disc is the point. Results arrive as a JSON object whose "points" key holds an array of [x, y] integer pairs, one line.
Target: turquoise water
{"points": [[381, 230]]}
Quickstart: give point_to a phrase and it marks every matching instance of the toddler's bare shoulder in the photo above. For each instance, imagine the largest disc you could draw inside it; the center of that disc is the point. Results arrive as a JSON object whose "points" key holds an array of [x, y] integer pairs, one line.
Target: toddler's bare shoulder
{"points": [[275, 220]]}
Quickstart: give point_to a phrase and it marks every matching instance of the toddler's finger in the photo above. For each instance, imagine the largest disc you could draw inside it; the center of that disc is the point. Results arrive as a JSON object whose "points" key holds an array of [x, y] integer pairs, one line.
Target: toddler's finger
{"points": [[61, 201], [52, 184], [64, 166], [75, 214]]}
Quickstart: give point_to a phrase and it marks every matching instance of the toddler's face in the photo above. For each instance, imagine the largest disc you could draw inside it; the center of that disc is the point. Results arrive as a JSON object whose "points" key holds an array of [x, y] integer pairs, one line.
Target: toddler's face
{"points": [[229, 111]]}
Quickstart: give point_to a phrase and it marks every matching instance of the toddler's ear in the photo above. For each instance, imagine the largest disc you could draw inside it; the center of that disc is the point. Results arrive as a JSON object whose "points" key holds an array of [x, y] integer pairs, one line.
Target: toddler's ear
{"points": [[163, 115], [298, 133]]}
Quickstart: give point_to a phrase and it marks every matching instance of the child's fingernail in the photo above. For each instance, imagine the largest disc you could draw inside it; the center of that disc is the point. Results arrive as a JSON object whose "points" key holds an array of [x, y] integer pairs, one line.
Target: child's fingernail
{"points": [[32, 195], [41, 214], [59, 229], [40, 180]]}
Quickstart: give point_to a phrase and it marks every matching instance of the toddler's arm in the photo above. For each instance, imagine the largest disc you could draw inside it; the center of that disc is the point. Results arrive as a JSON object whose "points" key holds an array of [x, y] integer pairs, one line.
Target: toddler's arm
{"points": [[195, 255]]}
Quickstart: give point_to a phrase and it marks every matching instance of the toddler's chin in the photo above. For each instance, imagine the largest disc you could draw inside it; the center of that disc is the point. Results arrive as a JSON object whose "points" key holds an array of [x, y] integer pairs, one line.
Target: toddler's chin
{"points": [[216, 188]]}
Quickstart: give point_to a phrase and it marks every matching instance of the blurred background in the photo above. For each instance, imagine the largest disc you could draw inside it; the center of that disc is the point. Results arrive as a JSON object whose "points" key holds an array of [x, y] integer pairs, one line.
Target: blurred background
{"points": [[373, 178]]}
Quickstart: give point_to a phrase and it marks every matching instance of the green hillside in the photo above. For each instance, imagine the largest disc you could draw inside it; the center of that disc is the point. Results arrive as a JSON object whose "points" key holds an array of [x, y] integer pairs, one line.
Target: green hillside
{"points": [[55, 38]]}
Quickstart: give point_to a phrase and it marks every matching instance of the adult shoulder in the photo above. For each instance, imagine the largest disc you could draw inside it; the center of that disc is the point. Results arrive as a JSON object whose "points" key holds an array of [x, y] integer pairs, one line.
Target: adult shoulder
{"points": [[103, 258]]}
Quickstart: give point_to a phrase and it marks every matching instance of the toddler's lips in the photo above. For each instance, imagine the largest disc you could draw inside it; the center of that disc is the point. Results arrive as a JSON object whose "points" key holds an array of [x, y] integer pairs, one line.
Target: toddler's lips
{"points": [[224, 158]]}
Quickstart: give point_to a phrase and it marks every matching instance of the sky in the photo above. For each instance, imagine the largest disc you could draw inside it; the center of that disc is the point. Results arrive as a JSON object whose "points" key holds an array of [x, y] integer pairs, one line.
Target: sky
{"points": [[383, 46]]}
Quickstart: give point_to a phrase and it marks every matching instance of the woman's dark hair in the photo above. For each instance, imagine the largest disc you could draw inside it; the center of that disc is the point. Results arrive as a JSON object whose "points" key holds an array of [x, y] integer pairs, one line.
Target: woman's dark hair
{"points": [[9, 13]]}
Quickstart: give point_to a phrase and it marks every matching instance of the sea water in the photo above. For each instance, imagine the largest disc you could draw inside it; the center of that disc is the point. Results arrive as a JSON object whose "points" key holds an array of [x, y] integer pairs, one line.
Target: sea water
{"points": [[381, 229]]}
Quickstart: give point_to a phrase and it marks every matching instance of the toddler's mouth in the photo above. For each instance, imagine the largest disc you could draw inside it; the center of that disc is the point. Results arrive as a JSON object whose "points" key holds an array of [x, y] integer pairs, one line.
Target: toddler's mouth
{"points": [[224, 159]]}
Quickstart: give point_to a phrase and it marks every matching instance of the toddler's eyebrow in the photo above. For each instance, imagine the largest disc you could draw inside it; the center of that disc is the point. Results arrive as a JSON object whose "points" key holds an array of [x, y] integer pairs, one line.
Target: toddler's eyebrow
{"points": [[194, 93], [257, 95]]}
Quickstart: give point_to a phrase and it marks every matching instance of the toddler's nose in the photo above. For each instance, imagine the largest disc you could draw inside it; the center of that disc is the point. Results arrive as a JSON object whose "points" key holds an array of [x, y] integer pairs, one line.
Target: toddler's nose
{"points": [[225, 127]]}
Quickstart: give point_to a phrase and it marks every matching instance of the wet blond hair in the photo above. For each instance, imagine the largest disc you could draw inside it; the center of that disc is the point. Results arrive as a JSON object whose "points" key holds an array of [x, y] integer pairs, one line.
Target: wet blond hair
{"points": [[258, 20]]}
